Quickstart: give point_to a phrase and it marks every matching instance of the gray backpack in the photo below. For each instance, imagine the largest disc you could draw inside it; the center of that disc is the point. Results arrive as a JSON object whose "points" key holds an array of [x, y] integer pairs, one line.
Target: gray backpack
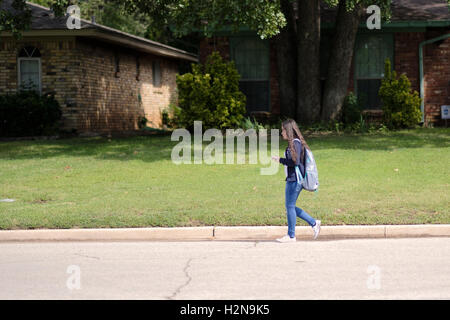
{"points": [[310, 181]]}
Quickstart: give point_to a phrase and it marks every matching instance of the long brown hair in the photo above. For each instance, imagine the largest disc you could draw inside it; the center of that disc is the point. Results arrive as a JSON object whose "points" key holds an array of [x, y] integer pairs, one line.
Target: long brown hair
{"points": [[293, 132]]}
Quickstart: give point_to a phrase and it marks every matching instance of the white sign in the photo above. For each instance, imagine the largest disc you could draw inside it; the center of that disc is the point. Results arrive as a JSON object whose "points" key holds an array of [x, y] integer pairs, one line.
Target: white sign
{"points": [[445, 112]]}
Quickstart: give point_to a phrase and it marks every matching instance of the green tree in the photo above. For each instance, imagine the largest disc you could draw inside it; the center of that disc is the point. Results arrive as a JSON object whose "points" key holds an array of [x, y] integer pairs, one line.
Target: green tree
{"points": [[15, 22], [109, 13]]}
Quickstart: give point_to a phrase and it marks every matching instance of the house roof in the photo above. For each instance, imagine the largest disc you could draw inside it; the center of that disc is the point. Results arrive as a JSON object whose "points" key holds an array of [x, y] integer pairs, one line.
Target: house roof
{"points": [[44, 22], [421, 12]]}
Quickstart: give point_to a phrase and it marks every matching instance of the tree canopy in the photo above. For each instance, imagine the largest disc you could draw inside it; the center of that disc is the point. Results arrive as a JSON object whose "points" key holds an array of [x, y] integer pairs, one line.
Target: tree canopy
{"points": [[144, 17]]}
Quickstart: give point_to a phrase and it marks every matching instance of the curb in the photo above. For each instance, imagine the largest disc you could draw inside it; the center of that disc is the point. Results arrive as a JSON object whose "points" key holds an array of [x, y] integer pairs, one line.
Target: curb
{"points": [[254, 233], [194, 233]]}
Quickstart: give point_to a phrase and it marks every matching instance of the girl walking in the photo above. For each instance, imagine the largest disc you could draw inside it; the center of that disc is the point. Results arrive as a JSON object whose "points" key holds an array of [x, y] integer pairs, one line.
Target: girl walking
{"points": [[294, 156]]}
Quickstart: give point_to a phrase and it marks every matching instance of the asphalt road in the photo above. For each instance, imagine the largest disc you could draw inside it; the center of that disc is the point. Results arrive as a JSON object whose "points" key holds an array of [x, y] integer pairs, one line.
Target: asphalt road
{"points": [[413, 268]]}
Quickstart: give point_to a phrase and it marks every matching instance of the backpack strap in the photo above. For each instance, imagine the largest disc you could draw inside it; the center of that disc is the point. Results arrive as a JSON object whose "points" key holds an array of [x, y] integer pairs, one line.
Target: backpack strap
{"points": [[304, 150], [299, 175]]}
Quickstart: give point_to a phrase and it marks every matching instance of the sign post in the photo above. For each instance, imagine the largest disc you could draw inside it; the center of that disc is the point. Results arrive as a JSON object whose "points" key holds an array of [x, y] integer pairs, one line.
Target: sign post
{"points": [[445, 113]]}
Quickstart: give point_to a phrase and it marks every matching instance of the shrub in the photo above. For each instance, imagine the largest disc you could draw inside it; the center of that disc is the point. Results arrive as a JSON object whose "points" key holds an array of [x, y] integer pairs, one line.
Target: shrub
{"points": [[351, 109], [165, 118], [142, 122], [210, 94], [247, 123], [26, 113], [401, 107]]}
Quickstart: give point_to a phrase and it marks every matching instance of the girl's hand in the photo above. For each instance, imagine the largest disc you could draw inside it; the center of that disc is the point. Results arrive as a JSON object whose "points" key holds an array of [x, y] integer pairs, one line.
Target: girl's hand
{"points": [[276, 159]]}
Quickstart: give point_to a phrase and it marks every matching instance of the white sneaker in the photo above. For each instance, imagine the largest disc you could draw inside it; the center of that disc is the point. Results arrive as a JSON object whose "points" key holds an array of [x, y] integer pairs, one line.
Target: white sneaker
{"points": [[316, 229], [286, 238]]}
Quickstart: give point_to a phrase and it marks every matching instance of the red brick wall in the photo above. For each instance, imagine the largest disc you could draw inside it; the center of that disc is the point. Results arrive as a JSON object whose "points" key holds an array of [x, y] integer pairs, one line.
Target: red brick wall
{"points": [[8, 66], [82, 73], [436, 78], [208, 45], [436, 64], [110, 102], [59, 69], [406, 56]]}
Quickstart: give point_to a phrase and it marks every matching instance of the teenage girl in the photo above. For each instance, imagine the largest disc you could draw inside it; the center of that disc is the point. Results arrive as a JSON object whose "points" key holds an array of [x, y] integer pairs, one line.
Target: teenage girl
{"points": [[294, 156]]}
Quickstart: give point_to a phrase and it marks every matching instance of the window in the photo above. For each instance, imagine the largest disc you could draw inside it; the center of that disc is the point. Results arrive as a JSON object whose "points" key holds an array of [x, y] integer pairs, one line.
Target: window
{"points": [[156, 72], [371, 52], [29, 69], [251, 57], [138, 68], [116, 65]]}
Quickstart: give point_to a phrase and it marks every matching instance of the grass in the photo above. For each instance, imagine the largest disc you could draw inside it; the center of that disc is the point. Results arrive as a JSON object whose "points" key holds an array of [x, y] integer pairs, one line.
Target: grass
{"points": [[392, 178]]}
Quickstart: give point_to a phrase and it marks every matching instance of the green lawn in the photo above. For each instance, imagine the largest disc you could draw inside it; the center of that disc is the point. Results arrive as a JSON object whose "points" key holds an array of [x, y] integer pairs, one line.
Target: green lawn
{"points": [[393, 178]]}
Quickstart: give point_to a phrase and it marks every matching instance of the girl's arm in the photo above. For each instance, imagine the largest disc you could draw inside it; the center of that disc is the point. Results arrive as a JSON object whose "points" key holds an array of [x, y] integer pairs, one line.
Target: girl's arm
{"points": [[290, 162]]}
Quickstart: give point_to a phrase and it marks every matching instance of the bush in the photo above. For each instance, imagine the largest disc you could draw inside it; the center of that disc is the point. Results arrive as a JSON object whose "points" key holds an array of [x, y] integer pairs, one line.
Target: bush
{"points": [[210, 94], [351, 110], [247, 124], [165, 118], [26, 113], [142, 122], [401, 107]]}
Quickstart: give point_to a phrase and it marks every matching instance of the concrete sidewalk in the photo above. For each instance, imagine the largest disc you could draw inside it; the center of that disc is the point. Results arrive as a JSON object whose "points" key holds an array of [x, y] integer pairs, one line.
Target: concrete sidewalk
{"points": [[255, 233]]}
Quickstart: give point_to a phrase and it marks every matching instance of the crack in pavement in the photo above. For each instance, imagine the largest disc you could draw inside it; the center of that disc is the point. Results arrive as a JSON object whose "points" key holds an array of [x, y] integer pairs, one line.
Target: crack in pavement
{"points": [[86, 256], [177, 291]]}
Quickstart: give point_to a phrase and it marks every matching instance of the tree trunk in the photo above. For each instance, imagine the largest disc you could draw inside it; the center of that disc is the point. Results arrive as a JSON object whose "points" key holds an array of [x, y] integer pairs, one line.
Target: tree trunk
{"points": [[341, 56], [308, 61], [286, 55]]}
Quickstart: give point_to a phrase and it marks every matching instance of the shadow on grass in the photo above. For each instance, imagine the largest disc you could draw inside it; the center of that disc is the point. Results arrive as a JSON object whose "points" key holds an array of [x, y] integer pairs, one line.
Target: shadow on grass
{"points": [[159, 148], [145, 148], [417, 138]]}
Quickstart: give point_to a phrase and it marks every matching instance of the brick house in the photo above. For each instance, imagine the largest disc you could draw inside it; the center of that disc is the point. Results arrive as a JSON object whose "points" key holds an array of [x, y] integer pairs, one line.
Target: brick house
{"points": [[417, 41], [104, 79]]}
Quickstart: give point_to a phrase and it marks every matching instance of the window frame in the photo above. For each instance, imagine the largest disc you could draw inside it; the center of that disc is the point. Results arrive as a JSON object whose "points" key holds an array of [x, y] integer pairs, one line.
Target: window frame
{"points": [[155, 84], [19, 78], [233, 42], [387, 38]]}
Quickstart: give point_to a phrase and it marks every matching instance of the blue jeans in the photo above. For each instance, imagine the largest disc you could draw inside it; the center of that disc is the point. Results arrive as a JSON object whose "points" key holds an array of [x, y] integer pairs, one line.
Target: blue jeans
{"points": [[292, 192]]}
